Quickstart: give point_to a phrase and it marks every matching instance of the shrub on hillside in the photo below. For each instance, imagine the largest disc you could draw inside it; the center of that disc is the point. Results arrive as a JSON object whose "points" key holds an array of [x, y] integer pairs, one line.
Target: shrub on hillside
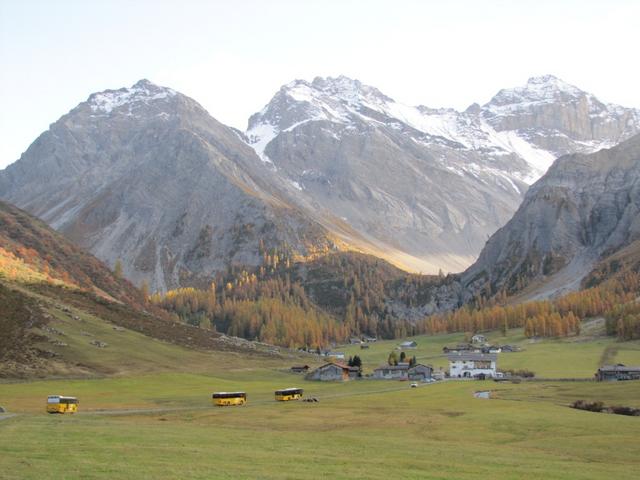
{"points": [[589, 406], [600, 407]]}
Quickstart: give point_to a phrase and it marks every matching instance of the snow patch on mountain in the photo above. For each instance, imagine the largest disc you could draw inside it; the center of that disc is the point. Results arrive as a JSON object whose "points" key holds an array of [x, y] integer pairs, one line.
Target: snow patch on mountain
{"points": [[347, 102], [259, 137], [144, 91], [538, 90]]}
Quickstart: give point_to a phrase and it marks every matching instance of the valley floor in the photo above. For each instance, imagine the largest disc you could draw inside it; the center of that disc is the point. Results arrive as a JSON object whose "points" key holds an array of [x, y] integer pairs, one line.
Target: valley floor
{"points": [[146, 413], [163, 425]]}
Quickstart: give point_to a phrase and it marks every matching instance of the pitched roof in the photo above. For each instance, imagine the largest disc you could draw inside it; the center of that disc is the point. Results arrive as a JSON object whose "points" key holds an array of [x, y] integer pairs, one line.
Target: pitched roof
{"points": [[472, 356], [393, 367], [339, 365], [421, 365]]}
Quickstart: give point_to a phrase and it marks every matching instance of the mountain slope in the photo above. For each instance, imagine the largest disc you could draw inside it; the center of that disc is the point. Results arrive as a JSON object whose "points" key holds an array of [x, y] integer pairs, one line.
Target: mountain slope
{"points": [[427, 186], [63, 312], [146, 176], [585, 208]]}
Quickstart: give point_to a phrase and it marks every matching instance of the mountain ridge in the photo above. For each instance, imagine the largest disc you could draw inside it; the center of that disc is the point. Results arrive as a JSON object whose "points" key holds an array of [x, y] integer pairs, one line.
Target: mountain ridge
{"points": [[144, 174], [349, 148]]}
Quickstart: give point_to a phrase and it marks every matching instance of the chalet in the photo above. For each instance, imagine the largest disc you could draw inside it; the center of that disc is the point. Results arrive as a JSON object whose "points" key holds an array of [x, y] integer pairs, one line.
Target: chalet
{"points": [[334, 372], [300, 369], [404, 345], [355, 341], [617, 372], [420, 372], [478, 339], [369, 339], [470, 365], [509, 348], [392, 372]]}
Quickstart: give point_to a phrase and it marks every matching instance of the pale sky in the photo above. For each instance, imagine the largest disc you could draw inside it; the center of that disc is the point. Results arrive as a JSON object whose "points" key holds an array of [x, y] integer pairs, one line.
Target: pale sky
{"points": [[232, 56]]}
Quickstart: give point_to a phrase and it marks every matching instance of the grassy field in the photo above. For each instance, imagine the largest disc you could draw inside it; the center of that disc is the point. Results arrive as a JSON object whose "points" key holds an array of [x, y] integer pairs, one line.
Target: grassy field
{"points": [[573, 357], [149, 416], [361, 429]]}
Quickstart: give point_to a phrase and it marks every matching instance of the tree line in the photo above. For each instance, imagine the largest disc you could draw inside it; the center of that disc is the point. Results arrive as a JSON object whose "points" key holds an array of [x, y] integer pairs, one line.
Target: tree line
{"points": [[615, 299], [313, 304]]}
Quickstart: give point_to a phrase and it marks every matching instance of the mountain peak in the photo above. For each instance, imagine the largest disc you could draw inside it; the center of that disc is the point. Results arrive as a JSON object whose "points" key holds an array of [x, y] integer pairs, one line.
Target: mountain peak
{"points": [[145, 83], [538, 90], [341, 88], [551, 82], [143, 91]]}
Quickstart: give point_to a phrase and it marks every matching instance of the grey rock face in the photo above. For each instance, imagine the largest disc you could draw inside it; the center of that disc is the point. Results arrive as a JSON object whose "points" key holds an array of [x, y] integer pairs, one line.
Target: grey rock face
{"points": [[586, 206], [559, 117], [424, 187], [147, 176]]}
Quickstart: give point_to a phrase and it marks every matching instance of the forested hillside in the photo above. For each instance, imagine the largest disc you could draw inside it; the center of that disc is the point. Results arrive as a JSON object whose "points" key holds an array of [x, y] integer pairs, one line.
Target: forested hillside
{"points": [[342, 295], [306, 303], [45, 281]]}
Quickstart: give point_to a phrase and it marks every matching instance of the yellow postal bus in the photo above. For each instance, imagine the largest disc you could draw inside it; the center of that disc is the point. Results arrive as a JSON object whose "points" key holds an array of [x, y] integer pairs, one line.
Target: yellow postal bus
{"points": [[60, 404], [288, 394], [225, 399]]}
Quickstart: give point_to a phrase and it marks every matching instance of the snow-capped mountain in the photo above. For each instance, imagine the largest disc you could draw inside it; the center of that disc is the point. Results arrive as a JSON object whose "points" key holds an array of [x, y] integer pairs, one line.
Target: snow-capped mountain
{"points": [[585, 208], [426, 186], [559, 118], [146, 176]]}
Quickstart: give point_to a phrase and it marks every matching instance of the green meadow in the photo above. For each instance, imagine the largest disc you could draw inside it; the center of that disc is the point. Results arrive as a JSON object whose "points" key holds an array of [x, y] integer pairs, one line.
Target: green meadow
{"points": [[572, 357], [162, 424], [363, 429]]}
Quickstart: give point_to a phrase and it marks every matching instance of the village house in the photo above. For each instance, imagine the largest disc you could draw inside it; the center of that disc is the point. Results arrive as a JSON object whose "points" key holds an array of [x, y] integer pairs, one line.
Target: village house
{"points": [[392, 372], [405, 345], [368, 339], [478, 339], [334, 372], [337, 355], [300, 369], [420, 372], [617, 372], [403, 371], [354, 340], [472, 365]]}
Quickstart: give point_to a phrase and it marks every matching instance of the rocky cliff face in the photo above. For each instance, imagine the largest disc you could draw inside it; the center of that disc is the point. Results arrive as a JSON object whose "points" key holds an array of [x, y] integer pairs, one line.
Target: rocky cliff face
{"points": [[145, 175], [560, 118], [584, 208], [426, 187]]}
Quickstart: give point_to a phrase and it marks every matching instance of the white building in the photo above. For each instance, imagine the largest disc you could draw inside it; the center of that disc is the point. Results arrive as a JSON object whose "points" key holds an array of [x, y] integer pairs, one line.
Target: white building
{"points": [[470, 365]]}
